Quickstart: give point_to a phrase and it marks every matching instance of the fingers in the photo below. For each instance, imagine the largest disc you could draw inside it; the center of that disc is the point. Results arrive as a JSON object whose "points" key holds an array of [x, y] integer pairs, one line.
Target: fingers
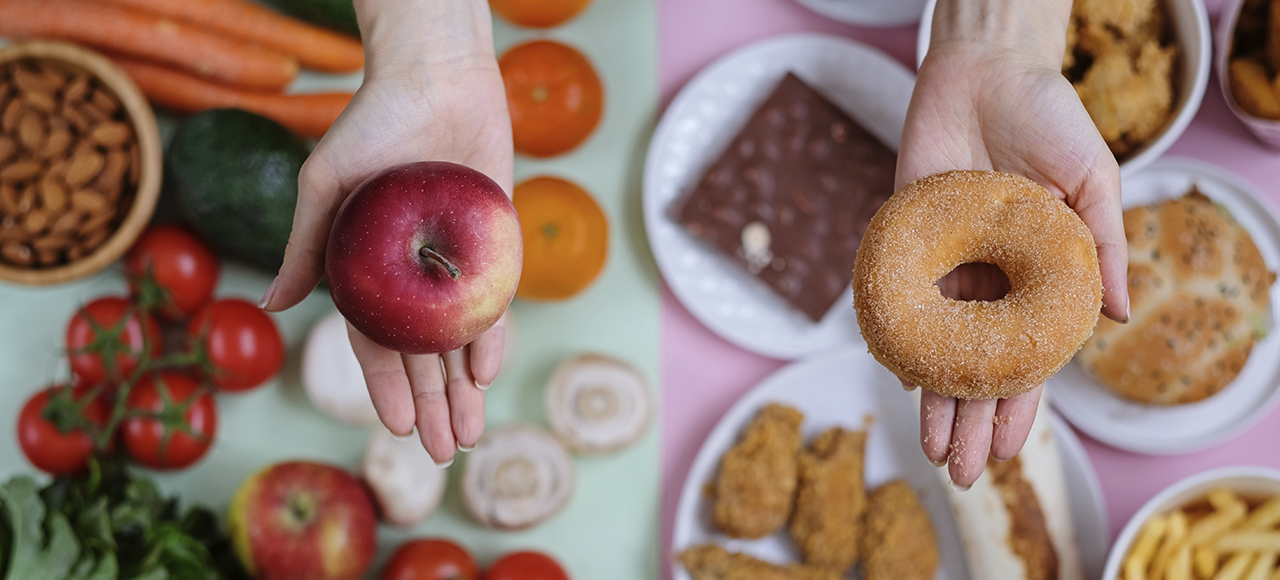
{"points": [[970, 441], [466, 400], [388, 384], [486, 353], [1013, 420], [1098, 204], [319, 195], [937, 417], [426, 378]]}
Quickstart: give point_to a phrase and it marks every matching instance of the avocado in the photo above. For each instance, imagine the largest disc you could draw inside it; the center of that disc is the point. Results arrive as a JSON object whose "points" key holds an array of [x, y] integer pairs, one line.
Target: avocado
{"points": [[233, 176], [339, 15]]}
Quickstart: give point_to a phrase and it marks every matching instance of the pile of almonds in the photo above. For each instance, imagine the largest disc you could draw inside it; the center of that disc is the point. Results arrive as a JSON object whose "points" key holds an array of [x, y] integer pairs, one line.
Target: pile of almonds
{"points": [[69, 164]]}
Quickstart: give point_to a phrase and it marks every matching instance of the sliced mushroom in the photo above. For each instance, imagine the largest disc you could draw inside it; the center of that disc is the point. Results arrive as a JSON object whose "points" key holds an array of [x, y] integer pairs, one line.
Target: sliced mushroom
{"points": [[597, 403], [518, 476], [405, 481], [331, 374]]}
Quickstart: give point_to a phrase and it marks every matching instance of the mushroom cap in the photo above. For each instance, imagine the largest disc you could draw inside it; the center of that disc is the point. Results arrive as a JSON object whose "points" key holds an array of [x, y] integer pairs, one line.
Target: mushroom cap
{"points": [[518, 476], [597, 403], [331, 374], [405, 481]]}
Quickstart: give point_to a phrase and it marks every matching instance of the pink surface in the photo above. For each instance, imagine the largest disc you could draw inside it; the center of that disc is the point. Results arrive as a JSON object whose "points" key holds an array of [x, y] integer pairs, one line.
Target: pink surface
{"points": [[703, 374]]}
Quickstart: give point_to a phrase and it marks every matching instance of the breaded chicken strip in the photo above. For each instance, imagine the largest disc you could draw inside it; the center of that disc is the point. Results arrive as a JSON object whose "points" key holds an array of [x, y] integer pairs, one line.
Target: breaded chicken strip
{"points": [[897, 541], [711, 562], [757, 479], [830, 499]]}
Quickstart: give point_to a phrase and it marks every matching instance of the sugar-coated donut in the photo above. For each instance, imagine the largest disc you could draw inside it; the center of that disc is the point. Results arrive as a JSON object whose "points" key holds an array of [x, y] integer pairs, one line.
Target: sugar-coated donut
{"points": [[976, 349]]}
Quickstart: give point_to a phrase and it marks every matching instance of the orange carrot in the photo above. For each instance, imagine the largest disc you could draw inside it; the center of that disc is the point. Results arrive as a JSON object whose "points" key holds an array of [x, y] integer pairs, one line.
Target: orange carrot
{"points": [[149, 36], [309, 115], [314, 47]]}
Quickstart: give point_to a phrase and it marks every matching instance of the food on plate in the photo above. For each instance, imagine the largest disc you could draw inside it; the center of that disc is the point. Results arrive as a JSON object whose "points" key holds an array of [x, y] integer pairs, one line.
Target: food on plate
{"points": [[517, 476], [144, 35], [241, 341], [1120, 57], [974, 349], [830, 499], [301, 519], [1223, 535], [597, 403], [526, 565], [430, 559], [1199, 294], [172, 262], [553, 95], [1255, 58], [755, 487], [48, 446], [897, 540], [406, 483], [171, 423], [789, 197], [712, 562], [566, 238], [234, 178], [108, 338], [69, 161], [461, 267], [538, 13], [1015, 521], [331, 374]]}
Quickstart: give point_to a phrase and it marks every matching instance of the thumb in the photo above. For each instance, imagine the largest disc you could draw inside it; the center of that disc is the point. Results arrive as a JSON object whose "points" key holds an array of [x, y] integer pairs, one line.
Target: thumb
{"points": [[319, 196], [1097, 202]]}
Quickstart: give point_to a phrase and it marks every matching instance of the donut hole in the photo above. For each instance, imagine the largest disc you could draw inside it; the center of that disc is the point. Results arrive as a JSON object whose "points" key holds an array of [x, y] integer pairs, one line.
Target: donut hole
{"points": [[975, 281]]}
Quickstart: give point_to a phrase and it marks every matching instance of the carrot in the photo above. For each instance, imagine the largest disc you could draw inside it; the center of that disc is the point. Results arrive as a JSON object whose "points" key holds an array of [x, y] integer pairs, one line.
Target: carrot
{"points": [[149, 36], [314, 47], [309, 115]]}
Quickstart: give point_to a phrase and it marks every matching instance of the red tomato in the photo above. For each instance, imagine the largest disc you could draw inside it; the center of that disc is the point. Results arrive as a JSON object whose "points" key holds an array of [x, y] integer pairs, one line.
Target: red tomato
{"points": [[179, 263], [100, 327], [430, 559], [526, 566], [242, 342], [48, 448], [163, 441]]}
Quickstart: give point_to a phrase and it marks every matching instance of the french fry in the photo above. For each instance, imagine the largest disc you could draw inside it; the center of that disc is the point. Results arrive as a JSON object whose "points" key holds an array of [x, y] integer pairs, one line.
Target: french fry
{"points": [[1211, 527], [1223, 499], [1252, 89], [1249, 541], [1180, 565], [1262, 567], [1266, 515], [1206, 561], [1174, 535], [1135, 564], [1235, 567]]}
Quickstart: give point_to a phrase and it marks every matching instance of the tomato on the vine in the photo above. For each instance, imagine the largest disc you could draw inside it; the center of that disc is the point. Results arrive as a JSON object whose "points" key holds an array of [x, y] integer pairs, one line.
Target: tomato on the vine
{"points": [[179, 264], [46, 445], [109, 329], [241, 341], [527, 565], [172, 423], [430, 559]]}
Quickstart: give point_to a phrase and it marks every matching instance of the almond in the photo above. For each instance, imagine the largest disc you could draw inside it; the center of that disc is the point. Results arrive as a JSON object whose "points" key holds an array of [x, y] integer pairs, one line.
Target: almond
{"points": [[58, 142], [7, 148], [68, 222], [36, 221], [73, 115], [16, 253], [114, 134], [77, 89], [89, 202], [20, 170], [93, 114], [31, 81], [86, 163], [11, 229], [104, 101], [9, 199], [95, 237], [52, 242], [48, 257], [26, 198], [31, 130], [53, 195], [9, 117], [113, 171], [40, 101]]}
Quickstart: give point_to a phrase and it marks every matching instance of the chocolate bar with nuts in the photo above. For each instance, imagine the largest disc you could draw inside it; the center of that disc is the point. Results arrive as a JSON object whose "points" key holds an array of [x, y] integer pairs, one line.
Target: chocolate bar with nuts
{"points": [[791, 196]]}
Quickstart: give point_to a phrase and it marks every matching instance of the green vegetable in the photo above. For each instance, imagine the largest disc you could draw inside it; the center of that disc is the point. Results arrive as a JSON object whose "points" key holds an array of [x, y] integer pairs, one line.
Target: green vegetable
{"points": [[338, 15], [234, 176]]}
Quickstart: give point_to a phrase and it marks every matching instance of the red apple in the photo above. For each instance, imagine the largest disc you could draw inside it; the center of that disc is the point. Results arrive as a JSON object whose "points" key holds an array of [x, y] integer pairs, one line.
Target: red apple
{"points": [[425, 256], [303, 521]]}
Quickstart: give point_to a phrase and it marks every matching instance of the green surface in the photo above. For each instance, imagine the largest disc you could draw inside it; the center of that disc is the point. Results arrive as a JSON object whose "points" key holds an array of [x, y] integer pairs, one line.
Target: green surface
{"points": [[610, 529]]}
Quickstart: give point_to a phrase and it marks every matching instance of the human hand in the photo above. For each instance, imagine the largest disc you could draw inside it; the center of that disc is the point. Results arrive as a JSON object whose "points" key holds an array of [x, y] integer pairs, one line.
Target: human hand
{"points": [[990, 95], [426, 96]]}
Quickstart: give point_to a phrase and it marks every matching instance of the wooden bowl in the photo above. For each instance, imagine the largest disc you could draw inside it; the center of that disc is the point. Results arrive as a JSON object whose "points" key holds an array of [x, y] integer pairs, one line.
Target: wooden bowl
{"points": [[131, 202]]}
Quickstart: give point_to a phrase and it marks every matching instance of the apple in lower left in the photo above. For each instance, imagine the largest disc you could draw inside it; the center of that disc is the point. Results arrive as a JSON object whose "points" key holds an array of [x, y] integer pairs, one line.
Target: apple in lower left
{"points": [[303, 520]]}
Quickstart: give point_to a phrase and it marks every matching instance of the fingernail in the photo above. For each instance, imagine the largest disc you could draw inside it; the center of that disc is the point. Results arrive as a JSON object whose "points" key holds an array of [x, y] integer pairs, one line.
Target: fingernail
{"points": [[937, 463], [444, 464], [271, 291], [908, 387], [404, 437], [466, 449], [482, 387], [958, 487], [1126, 313]]}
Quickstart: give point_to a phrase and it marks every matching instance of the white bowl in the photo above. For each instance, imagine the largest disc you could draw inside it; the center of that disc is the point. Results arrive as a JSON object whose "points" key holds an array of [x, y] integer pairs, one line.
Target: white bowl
{"points": [[1244, 480], [1191, 26], [1266, 130]]}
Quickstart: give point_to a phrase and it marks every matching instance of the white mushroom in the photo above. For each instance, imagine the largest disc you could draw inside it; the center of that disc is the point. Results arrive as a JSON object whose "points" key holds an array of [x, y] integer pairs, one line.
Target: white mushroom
{"points": [[405, 481], [331, 374], [597, 403], [518, 476]]}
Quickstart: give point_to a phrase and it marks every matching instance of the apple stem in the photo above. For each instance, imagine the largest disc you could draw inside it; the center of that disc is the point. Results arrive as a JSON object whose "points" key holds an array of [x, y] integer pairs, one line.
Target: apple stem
{"points": [[431, 254]]}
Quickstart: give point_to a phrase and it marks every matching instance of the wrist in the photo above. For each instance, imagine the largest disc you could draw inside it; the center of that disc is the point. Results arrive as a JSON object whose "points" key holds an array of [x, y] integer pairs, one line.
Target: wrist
{"points": [[423, 35], [1034, 31]]}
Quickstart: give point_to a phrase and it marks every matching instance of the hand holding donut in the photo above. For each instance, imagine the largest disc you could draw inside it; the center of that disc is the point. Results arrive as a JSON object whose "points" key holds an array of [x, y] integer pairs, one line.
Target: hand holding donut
{"points": [[990, 95]]}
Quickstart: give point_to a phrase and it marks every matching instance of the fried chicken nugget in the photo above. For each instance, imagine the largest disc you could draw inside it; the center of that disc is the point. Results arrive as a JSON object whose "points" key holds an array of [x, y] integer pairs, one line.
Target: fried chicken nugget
{"points": [[897, 542], [711, 562], [1129, 101], [1123, 16], [757, 480], [830, 499]]}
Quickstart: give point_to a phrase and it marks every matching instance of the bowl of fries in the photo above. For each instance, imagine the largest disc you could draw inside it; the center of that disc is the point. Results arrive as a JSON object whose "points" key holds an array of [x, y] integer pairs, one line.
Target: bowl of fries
{"points": [[1247, 57], [1222, 524]]}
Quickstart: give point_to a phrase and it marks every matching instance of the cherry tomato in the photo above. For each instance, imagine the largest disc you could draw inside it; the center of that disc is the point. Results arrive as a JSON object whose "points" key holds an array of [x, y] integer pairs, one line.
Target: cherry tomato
{"points": [[47, 447], [242, 342], [109, 326], [163, 441], [179, 263], [526, 566], [430, 559]]}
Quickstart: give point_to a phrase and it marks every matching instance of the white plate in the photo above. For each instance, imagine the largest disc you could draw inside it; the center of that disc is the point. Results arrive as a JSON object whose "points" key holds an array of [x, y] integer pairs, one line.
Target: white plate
{"points": [[1191, 427], [868, 12], [846, 388], [700, 122]]}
